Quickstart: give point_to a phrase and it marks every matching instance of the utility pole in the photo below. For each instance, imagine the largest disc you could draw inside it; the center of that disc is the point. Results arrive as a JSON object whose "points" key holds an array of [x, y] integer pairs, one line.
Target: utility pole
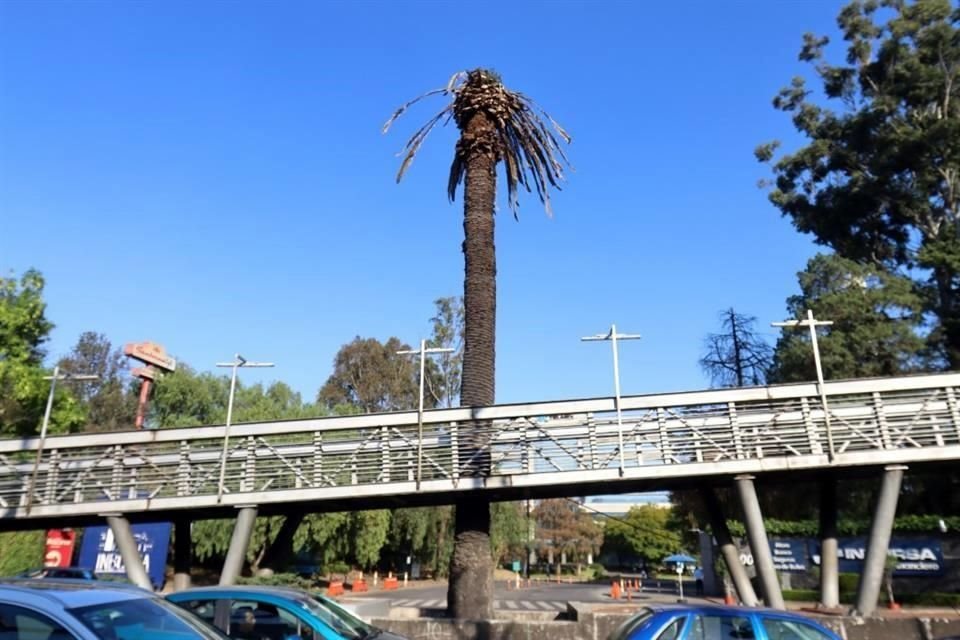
{"points": [[423, 351], [46, 422], [813, 323], [239, 361], [613, 337]]}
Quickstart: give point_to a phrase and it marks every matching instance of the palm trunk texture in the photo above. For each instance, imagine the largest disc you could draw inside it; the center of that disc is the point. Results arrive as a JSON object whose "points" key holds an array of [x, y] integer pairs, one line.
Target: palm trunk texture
{"points": [[470, 591]]}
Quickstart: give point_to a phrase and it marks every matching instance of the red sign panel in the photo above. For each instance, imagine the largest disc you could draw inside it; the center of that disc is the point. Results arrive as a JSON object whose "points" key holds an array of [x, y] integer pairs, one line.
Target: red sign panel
{"points": [[150, 353], [59, 549]]}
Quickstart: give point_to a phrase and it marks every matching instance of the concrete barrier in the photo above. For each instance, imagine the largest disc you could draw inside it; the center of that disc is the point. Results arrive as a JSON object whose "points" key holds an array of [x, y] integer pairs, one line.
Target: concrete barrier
{"points": [[589, 623]]}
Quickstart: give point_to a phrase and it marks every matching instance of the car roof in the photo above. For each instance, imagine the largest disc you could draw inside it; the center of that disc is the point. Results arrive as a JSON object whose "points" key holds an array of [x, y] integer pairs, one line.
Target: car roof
{"points": [[243, 590], [717, 608], [69, 593]]}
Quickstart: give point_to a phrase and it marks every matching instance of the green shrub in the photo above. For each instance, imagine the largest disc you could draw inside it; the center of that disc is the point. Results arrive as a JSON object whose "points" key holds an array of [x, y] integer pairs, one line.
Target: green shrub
{"points": [[849, 582], [20, 551], [932, 599], [278, 580], [337, 567]]}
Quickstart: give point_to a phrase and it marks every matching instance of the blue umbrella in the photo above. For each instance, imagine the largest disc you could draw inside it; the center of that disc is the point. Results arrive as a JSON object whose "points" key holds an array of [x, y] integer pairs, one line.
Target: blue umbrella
{"points": [[680, 557]]}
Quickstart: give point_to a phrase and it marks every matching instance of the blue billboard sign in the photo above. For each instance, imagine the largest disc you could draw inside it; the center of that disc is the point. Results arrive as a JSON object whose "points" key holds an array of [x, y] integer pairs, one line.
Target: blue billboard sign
{"points": [[99, 551], [789, 555], [915, 556]]}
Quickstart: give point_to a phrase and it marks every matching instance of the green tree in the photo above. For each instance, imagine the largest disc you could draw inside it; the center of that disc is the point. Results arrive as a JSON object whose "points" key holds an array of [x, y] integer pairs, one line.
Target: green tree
{"points": [[370, 377], [508, 531], [109, 401], [879, 180], [447, 333], [24, 329], [643, 533], [876, 318], [736, 356], [496, 125], [563, 529], [21, 551]]}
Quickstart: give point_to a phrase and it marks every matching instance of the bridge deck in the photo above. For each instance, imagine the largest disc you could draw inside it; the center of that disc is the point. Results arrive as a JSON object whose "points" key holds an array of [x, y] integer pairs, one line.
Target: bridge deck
{"points": [[573, 446]]}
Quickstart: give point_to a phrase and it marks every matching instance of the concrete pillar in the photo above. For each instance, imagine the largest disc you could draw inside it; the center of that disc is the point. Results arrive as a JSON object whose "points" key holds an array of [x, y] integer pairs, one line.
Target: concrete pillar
{"points": [[182, 554], [123, 536], [759, 545], [871, 578], [829, 564], [242, 530], [731, 556], [280, 550], [710, 586]]}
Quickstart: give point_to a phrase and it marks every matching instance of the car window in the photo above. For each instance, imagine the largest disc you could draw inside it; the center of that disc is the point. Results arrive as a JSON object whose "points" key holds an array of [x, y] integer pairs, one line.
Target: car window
{"points": [[145, 618], [205, 609], [672, 630], [782, 629], [634, 623], [17, 623], [705, 627], [259, 620]]}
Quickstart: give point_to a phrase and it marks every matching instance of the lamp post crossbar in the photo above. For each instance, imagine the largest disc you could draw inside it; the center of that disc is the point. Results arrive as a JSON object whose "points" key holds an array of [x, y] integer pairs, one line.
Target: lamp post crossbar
{"points": [[614, 337], [812, 323], [422, 351], [46, 421], [238, 362]]}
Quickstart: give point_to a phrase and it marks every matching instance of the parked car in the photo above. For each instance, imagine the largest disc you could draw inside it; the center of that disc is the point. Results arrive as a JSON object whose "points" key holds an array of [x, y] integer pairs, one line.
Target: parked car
{"points": [[276, 613], [57, 573], [88, 610], [691, 622]]}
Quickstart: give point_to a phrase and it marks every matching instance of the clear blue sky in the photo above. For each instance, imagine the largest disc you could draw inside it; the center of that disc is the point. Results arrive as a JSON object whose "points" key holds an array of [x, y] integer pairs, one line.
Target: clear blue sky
{"points": [[212, 176]]}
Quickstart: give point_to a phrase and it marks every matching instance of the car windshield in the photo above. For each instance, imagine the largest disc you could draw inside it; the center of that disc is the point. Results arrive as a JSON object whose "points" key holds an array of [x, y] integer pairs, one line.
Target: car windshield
{"points": [[341, 620], [143, 619]]}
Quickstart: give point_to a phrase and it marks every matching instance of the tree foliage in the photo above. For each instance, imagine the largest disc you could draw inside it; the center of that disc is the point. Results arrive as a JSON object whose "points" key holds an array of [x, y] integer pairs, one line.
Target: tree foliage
{"points": [[24, 328], [876, 317], [736, 356], [370, 377], [508, 531], [20, 551], [879, 180], [564, 528], [644, 533], [110, 402], [447, 333]]}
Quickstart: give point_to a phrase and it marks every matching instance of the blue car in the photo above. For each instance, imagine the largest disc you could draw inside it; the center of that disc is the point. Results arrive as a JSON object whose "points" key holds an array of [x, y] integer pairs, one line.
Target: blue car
{"points": [[275, 613], [89, 610], [685, 622]]}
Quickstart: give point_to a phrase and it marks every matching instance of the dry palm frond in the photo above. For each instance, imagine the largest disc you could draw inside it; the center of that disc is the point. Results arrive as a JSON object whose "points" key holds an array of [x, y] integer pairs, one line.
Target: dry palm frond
{"points": [[526, 143]]}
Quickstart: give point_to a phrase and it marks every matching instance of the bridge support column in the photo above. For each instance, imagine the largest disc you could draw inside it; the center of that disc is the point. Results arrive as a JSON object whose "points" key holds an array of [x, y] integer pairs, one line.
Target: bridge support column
{"points": [[759, 545], [879, 542], [182, 554], [123, 536], [829, 564], [731, 557], [280, 550], [239, 541]]}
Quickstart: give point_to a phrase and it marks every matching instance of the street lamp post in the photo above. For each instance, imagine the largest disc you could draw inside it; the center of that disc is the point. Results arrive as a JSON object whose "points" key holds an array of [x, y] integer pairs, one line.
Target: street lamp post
{"points": [[423, 351], [46, 422], [239, 361], [813, 323], [614, 337]]}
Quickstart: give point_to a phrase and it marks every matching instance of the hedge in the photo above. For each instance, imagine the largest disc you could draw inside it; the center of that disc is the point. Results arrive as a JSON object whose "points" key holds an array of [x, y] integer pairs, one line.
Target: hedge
{"points": [[810, 528], [932, 599]]}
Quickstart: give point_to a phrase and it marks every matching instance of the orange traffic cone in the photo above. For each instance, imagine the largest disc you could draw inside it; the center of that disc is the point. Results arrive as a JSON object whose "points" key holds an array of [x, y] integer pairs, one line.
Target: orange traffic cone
{"points": [[615, 590], [729, 599]]}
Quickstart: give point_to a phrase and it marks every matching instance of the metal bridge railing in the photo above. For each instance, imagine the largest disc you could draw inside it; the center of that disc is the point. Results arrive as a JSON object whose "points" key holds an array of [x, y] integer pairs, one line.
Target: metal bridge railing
{"points": [[706, 428]]}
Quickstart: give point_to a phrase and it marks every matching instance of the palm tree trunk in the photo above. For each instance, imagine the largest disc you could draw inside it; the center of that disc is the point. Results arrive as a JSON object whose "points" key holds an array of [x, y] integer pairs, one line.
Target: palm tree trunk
{"points": [[470, 591]]}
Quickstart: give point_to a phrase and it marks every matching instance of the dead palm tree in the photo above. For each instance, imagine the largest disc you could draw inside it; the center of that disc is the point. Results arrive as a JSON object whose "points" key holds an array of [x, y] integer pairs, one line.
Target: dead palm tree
{"points": [[496, 125]]}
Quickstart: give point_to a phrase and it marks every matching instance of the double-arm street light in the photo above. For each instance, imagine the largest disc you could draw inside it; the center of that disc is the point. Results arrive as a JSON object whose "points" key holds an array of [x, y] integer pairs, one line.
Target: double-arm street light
{"points": [[422, 351], [614, 337], [46, 421], [812, 323], [238, 362]]}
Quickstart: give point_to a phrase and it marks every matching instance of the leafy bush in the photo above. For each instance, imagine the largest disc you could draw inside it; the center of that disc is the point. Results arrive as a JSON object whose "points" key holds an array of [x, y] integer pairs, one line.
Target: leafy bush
{"points": [[20, 551], [811, 529], [849, 582], [278, 580], [847, 597], [337, 567]]}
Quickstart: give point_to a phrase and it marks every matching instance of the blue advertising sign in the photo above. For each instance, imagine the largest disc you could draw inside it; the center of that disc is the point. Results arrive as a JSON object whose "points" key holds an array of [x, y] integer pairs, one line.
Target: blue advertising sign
{"points": [[99, 551], [915, 556], [789, 555]]}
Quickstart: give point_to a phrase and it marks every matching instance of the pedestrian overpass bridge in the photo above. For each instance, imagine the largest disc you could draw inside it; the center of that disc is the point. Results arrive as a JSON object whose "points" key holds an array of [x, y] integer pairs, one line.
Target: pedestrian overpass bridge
{"points": [[514, 451]]}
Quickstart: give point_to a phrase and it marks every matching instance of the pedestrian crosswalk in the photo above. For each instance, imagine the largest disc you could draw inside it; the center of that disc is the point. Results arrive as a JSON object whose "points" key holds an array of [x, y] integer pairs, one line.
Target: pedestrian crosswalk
{"points": [[500, 605]]}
